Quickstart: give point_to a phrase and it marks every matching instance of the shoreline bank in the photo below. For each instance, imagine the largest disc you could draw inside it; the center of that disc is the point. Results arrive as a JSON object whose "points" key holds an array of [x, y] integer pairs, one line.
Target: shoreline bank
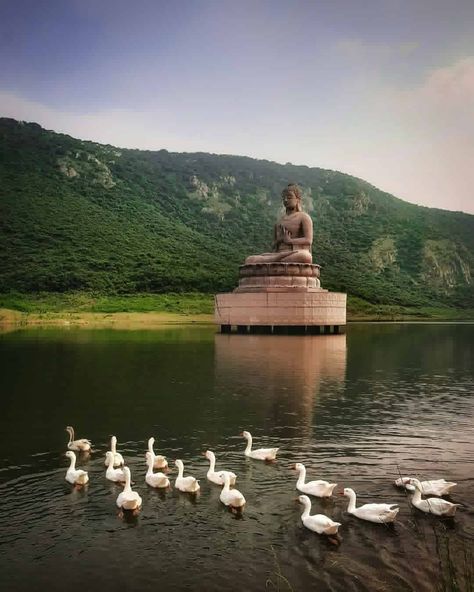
{"points": [[13, 319]]}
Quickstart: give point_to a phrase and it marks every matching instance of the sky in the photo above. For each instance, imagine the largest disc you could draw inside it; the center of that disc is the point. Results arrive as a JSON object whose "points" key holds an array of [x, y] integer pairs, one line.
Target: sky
{"points": [[379, 89]]}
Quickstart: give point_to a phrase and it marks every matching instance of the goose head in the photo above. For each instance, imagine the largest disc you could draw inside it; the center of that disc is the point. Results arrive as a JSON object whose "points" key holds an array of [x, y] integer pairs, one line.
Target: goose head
{"points": [[416, 483]]}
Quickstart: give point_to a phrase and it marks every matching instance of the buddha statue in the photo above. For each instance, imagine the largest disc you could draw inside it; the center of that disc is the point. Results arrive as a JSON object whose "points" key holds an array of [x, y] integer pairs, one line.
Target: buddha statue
{"points": [[292, 235]]}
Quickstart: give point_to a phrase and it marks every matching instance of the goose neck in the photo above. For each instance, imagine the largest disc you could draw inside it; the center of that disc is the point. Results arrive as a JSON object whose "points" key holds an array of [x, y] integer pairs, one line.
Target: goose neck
{"points": [[150, 446], [416, 496], [249, 444], [226, 482], [180, 470], [301, 476], [352, 500], [307, 508], [128, 480], [113, 444], [150, 462], [212, 463], [72, 464]]}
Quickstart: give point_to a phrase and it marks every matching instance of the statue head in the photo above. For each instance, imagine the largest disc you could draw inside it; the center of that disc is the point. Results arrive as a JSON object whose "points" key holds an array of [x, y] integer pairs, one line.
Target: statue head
{"points": [[292, 191]]}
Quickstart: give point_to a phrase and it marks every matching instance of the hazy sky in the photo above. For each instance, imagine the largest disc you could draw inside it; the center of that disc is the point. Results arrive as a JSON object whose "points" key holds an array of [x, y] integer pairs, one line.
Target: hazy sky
{"points": [[381, 89]]}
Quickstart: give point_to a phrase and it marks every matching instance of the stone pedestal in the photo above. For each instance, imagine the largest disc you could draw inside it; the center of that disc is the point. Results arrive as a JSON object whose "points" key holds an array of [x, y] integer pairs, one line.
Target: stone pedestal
{"points": [[263, 277], [280, 297]]}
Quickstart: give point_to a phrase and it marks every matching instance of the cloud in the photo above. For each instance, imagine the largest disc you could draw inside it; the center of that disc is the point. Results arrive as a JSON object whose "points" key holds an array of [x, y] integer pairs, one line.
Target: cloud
{"points": [[424, 139], [445, 98]]}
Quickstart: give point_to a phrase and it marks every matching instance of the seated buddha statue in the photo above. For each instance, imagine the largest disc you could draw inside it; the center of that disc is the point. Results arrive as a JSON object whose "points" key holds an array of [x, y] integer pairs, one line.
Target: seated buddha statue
{"points": [[292, 235]]}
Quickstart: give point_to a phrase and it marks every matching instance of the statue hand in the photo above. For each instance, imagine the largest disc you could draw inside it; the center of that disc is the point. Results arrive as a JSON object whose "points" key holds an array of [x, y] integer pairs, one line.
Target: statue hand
{"points": [[286, 238]]}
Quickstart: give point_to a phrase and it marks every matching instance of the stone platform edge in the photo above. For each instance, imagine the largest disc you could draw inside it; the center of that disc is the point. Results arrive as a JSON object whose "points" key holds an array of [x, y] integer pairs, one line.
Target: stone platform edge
{"points": [[280, 309]]}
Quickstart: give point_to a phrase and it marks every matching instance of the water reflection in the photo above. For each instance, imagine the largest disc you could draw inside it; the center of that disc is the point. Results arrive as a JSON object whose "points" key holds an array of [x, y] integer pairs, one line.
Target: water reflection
{"points": [[396, 398], [285, 372]]}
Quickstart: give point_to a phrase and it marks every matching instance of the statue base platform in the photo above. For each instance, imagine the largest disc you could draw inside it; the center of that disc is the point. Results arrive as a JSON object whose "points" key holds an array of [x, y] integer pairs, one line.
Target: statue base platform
{"points": [[280, 298]]}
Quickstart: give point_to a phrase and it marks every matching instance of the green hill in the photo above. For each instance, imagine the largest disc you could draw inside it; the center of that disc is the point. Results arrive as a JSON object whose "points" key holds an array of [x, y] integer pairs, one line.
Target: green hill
{"points": [[78, 215]]}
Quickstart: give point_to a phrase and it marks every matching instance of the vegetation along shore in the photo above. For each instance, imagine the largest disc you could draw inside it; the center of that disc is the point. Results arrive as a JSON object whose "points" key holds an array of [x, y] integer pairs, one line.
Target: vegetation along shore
{"points": [[84, 309]]}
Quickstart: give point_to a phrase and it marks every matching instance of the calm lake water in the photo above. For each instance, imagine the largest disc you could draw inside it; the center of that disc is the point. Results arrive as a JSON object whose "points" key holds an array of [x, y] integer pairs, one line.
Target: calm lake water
{"points": [[358, 409]]}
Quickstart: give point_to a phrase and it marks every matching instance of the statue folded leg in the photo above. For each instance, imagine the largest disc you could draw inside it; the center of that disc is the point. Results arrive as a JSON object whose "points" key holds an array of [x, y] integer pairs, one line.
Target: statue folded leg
{"points": [[300, 256]]}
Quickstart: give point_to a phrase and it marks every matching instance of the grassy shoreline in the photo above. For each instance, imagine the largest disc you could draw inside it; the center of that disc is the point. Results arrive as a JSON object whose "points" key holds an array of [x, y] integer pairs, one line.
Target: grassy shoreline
{"points": [[84, 309]]}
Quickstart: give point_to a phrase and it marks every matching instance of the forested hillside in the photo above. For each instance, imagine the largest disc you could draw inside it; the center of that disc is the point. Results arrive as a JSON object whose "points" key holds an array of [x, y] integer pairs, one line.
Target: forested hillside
{"points": [[77, 215]]}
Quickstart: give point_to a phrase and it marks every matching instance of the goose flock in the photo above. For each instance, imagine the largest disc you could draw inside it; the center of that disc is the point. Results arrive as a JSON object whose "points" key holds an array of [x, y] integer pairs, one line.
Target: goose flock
{"points": [[129, 500]]}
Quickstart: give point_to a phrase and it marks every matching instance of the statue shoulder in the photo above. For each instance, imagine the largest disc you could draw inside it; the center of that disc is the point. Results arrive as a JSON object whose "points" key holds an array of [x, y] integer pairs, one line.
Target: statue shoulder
{"points": [[305, 216]]}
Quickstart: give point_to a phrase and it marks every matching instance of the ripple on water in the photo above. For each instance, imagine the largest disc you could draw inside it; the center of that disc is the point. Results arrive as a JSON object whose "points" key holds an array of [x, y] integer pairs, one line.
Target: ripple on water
{"points": [[358, 420]]}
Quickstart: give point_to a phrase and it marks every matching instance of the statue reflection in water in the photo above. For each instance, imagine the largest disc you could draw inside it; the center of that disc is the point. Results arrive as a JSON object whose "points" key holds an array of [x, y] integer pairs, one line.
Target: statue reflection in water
{"points": [[279, 376]]}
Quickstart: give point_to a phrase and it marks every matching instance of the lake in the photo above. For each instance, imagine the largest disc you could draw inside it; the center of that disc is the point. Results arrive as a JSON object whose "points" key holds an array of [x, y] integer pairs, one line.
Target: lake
{"points": [[359, 409]]}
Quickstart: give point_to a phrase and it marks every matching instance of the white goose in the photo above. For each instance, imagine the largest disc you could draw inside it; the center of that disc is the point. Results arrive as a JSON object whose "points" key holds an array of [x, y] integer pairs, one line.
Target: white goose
{"points": [[187, 484], [160, 461], [317, 488], [318, 522], [261, 453], [217, 477], [118, 458], [437, 487], [128, 499], [432, 505], [380, 513], [155, 479], [231, 497], [112, 474], [73, 475], [81, 445]]}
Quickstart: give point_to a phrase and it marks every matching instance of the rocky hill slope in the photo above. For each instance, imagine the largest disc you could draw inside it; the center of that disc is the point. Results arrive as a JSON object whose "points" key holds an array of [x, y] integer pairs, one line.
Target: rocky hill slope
{"points": [[78, 215]]}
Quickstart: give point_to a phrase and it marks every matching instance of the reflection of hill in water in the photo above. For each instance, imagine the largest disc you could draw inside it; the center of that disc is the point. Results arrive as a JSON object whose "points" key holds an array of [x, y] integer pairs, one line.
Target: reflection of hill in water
{"points": [[283, 374]]}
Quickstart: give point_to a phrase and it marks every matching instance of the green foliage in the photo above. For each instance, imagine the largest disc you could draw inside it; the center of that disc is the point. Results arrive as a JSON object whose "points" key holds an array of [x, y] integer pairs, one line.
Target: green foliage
{"points": [[83, 217], [77, 302]]}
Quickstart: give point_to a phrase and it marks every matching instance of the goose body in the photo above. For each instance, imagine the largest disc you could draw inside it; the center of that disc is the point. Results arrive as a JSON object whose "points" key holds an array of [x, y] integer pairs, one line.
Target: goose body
{"points": [[118, 458], [231, 497], [317, 488], [437, 487], [155, 479], [81, 445], [187, 484], [261, 453], [318, 522], [112, 474], [217, 477], [159, 461], [73, 475], [380, 513], [128, 499], [432, 505]]}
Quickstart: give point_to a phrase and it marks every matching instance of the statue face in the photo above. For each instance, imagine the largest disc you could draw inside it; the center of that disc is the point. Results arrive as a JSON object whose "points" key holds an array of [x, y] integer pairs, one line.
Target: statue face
{"points": [[290, 200]]}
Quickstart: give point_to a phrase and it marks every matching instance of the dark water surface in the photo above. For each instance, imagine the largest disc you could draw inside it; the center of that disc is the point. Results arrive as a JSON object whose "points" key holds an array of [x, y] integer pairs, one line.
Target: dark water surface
{"points": [[358, 409]]}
